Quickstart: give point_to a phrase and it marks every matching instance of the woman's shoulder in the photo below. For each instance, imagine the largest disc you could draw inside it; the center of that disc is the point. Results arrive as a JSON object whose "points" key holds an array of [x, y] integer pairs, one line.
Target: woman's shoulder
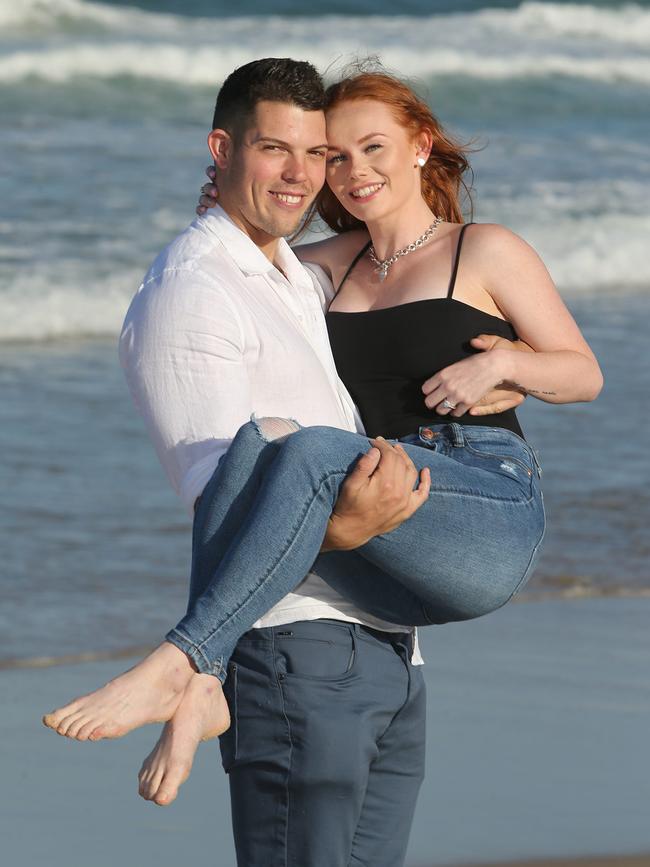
{"points": [[503, 263], [333, 253], [491, 241]]}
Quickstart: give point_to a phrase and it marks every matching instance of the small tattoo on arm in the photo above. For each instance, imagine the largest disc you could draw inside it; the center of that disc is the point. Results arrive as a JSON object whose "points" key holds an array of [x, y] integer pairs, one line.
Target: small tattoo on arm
{"points": [[525, 390]]}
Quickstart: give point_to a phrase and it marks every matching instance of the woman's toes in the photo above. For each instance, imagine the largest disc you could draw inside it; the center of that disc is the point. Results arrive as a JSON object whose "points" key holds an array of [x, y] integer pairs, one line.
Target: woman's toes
{"points": [[165, 796], [71, 723], [176, 775], [82, 731]]}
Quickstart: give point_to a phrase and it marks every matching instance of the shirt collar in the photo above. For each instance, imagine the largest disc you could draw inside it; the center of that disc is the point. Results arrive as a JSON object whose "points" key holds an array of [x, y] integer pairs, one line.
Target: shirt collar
{"points": [[246, 254]]}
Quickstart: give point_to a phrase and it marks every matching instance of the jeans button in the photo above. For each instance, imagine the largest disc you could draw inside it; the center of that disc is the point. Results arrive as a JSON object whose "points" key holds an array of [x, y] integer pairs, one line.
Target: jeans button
{"points": [[427, 434]]}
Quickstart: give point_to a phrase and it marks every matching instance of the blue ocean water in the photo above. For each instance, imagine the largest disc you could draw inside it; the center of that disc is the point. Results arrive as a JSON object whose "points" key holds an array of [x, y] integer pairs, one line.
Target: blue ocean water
{"points": [[104, 110]]}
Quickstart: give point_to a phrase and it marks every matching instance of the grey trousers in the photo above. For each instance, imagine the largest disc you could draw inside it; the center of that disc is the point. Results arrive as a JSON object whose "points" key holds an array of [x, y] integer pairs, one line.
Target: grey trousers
{"points": [[325, 754]]}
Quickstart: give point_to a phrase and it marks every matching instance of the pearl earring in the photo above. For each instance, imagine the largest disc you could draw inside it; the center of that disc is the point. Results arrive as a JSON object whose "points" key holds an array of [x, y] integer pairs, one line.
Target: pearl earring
{"points": [[422, 162]]}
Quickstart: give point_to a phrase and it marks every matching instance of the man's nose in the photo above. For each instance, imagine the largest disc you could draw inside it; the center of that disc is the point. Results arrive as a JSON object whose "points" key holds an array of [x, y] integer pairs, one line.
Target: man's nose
{"points": [[295, 170]]}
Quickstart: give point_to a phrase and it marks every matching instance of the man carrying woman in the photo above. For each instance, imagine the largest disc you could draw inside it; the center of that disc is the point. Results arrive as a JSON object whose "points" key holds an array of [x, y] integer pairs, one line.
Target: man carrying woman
{"points": [[325, 752]]}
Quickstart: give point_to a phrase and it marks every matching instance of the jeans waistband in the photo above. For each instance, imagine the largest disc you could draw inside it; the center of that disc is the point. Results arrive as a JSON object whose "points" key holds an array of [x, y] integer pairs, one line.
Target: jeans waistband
{"points": [[323, 626], [458, 435]]}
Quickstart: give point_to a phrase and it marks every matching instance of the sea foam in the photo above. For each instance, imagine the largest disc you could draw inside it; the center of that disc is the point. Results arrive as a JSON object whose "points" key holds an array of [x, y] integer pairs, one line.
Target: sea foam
{"points": [[62, 39], [44, 302]]}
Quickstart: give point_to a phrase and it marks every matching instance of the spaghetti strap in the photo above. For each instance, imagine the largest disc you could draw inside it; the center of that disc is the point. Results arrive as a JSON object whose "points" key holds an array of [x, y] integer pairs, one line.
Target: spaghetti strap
{"points": [[359, 255], [452, 281]]}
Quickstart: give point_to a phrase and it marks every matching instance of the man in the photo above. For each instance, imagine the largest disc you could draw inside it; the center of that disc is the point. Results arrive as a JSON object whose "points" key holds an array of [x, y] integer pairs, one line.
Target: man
{"points": [[325, 752]]}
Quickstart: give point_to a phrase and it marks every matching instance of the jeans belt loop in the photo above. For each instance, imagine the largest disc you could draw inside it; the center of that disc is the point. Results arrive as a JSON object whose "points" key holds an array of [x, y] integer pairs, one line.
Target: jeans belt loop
{"points": [[457, 434]]}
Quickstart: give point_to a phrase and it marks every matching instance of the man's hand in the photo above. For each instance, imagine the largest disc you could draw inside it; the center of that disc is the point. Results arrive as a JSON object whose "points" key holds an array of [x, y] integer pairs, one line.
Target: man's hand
{"points": [[209, 192], [376, 497], [503, 398]]}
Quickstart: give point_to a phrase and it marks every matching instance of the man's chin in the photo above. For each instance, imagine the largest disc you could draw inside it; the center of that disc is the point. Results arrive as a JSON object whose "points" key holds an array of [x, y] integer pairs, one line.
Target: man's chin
{"points": [[283, 225]]}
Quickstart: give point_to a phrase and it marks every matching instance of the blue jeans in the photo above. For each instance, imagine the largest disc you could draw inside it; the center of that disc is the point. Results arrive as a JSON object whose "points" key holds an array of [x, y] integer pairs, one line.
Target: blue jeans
{"points": [[261, 520]]}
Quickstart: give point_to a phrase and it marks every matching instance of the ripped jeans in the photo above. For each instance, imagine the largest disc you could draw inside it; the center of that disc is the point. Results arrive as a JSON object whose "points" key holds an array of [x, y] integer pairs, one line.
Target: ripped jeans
{"points": [[262, 518]]}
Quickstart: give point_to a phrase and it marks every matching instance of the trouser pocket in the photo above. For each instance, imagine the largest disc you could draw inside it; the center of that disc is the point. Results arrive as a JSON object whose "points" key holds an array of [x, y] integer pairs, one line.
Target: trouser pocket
{"points": [[228, 741]]}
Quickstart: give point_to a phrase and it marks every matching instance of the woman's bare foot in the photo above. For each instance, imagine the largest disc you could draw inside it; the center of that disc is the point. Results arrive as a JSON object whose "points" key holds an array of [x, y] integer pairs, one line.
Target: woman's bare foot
{"points": [[201, 715], [149, 692]]}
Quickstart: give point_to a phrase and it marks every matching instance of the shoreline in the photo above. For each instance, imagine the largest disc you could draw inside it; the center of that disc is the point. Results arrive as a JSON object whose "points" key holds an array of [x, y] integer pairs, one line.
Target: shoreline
{"points": [[570, 594]]}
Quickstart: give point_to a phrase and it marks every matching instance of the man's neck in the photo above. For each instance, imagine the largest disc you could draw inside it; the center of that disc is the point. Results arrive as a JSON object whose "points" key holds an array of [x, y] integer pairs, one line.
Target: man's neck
{"points": [[266, 243]]}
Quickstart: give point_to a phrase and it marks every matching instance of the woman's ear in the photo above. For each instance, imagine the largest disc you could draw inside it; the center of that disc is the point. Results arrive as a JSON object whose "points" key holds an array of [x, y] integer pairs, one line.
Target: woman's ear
{"points": [[423, 145], [220, 144]]}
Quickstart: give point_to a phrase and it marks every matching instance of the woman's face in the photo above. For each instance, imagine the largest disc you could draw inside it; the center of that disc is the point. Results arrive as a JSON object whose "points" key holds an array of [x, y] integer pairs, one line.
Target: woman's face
{"points": [[371, 159]]}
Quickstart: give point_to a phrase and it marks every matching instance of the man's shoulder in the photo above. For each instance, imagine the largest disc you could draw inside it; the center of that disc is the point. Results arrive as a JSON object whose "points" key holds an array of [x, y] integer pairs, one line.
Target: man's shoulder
{"points": [[193, 276], [195, 255]]}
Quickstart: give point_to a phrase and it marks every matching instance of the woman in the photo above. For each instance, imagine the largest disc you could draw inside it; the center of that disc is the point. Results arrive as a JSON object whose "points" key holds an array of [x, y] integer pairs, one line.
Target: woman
{"points": [[393, 179]]}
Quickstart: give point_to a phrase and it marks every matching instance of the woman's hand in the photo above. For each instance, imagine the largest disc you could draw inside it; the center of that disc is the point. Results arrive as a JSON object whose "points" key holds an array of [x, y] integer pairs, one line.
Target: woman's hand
{"points": [[456, 388], [209, 193], [505, 396]]}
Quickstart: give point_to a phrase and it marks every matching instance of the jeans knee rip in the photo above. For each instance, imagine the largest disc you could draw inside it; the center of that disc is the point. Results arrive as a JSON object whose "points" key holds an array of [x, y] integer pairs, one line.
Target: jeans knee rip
{"points": [[272, 428]]}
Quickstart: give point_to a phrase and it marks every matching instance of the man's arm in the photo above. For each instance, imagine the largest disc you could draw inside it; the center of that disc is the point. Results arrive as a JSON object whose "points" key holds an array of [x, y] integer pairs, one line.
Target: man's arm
{"points": [[382, 491], [182, 352]]}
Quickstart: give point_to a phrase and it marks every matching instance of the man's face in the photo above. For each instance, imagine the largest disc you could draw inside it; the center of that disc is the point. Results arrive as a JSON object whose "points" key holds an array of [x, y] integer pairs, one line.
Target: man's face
{"points": [[275, 171]]}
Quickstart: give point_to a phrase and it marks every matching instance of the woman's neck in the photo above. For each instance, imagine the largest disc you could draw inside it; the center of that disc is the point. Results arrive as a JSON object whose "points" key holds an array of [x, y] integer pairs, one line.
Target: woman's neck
{"points": [[400, 228]]}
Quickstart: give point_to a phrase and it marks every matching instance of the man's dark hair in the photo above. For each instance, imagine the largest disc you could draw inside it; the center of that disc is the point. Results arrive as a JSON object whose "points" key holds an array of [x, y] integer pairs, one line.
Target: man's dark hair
{"points": [[274, 79]]}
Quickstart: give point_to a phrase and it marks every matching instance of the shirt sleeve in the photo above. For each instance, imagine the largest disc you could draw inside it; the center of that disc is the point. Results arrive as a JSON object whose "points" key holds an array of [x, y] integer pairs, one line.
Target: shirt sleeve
{"points": [[182, 351]]}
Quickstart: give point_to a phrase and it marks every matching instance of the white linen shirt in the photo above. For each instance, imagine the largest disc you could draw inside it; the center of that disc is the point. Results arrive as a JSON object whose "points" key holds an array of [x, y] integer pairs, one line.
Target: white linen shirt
{"points": [[215, 334]]}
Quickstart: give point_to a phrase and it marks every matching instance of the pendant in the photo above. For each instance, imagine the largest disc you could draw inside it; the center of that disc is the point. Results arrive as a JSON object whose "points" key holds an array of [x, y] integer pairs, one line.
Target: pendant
{"points": [[383, 272]]}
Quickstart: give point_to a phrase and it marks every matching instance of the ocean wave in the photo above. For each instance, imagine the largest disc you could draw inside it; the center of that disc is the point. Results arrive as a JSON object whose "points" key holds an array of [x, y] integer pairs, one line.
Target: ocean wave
{"points": [[629, 22], [209, 65], [56, 303], [61, 15], [51, 301], [532, 41]]}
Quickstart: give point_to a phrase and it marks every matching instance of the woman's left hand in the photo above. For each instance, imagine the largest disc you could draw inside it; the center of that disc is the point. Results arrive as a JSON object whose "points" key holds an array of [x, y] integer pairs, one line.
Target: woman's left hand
{"points": [[209, 193], [464, 383]]}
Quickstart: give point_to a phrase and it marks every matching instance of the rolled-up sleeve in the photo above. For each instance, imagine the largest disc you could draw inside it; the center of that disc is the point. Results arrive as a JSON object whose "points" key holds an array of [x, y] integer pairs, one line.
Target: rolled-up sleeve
{"points": [[182, 350]]}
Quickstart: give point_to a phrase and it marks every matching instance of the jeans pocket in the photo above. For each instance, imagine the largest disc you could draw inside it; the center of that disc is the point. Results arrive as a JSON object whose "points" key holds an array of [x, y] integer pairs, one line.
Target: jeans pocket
{"points": [[228, 741], [316, 658], [508, 460]]}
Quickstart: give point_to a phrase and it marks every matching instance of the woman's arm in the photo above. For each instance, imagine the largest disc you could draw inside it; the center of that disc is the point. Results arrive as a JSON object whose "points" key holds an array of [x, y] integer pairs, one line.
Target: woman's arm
{"points": [[563, 369], [334, 254]]}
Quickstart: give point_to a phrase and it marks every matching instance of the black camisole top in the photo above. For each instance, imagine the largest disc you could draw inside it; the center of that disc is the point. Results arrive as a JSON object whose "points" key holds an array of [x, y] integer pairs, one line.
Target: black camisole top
{"points": [[384, 356]]}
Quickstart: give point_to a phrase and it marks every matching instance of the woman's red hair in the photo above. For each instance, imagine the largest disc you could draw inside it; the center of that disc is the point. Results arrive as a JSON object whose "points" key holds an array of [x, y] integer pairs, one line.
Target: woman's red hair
{"points": [[442, 175]]}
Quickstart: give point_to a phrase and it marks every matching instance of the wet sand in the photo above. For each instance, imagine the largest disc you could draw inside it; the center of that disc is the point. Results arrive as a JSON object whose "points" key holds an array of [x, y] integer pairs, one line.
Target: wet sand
{"points": [[538, 718], [616, 861]]}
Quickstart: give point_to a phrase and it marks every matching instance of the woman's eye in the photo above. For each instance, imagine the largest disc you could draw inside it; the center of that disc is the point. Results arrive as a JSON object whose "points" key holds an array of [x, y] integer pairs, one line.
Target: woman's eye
{"points": [[336, 158], [372, 147]]}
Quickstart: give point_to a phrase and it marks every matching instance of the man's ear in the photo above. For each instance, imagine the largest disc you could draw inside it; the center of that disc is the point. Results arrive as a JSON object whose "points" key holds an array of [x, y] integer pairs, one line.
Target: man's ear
{"points": [[221, 147]]}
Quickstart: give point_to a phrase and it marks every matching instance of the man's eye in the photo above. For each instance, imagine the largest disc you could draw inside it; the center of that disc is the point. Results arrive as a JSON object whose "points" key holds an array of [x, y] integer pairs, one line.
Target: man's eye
{"points": [[272, 148], [319, 154]]}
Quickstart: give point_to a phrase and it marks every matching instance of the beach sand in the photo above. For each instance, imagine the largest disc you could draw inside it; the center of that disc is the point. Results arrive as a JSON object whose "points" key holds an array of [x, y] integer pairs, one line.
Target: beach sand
{"points": [[537, 747], [617, 861]]}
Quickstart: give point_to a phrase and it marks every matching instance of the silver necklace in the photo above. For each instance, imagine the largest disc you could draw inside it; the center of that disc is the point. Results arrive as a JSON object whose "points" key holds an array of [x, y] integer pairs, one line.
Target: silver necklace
{"points": [[384, 264]]}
